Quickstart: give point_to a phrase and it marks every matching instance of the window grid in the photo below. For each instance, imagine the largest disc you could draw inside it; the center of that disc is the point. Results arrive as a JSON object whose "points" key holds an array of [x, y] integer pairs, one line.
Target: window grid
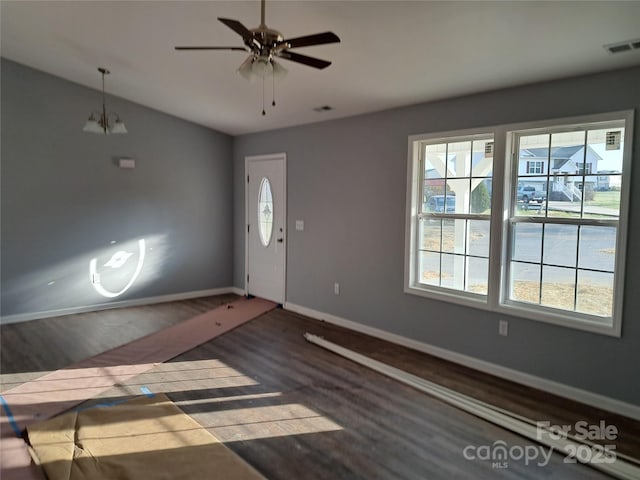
{"points": [[584, 162], [577, 269], [465, 254], [590, 269], [445, 216], [575, 278], [546, 220]]}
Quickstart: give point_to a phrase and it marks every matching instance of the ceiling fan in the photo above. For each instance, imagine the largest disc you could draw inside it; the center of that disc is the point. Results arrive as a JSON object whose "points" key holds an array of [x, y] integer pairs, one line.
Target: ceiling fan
{"points": [[266, 44]]}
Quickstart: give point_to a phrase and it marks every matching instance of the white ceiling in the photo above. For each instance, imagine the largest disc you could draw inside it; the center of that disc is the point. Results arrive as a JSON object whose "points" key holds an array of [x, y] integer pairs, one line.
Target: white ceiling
{"points": [[392, 53]]}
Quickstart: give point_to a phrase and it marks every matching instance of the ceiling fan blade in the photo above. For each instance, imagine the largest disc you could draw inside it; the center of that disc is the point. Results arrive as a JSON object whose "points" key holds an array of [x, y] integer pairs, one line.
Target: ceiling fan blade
{"points": [[237, 27], [211, 48], [304, 59], [310, 40]]}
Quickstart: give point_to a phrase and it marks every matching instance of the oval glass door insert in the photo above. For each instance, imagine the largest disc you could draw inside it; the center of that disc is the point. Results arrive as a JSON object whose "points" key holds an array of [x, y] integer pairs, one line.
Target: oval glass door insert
{"points": [[265, 212]]}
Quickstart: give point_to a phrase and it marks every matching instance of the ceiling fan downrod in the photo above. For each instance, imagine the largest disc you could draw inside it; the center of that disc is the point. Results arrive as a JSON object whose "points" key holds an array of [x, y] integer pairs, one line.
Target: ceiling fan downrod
{"points": [[262, 14]]}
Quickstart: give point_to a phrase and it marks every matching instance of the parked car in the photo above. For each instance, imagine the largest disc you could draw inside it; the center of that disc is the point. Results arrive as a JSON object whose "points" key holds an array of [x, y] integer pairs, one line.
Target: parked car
{"points": [[437, 204], [529, 193]]}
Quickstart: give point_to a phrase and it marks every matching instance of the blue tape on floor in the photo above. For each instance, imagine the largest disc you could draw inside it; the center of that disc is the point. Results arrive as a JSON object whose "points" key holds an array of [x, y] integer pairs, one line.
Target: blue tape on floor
{"points": [[18, 432], [12, 421], [101, 405], [143, 389], [147, 392]]}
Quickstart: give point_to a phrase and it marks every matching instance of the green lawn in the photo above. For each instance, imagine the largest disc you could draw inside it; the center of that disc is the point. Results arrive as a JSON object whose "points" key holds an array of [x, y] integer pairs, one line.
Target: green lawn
{"points": [[605, 199]]}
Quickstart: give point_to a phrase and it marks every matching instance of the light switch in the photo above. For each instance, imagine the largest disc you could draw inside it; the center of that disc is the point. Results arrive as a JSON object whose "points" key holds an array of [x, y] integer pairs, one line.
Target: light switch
{"points": [[299, 225]]}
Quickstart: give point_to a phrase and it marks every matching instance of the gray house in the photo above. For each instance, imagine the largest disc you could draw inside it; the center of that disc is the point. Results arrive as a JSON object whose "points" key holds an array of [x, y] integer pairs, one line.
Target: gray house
{"points": [[569, 167]]}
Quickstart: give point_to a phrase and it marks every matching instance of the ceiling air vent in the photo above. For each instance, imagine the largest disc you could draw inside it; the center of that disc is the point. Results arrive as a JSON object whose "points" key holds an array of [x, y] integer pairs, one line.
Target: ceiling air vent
{"points": [[625, 46], [613, 140]]}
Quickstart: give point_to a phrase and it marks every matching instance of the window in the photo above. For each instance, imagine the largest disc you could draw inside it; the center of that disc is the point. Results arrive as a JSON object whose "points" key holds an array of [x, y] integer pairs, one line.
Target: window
{"points": [[583, 168], [561, 257], [451, 225], [535, 167], [557, 257], [265, 212]]}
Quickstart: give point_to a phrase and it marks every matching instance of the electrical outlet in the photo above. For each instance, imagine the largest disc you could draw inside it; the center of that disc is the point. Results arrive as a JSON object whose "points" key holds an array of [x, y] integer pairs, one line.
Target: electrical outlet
{"points": [[503, 328], [336, 288]]}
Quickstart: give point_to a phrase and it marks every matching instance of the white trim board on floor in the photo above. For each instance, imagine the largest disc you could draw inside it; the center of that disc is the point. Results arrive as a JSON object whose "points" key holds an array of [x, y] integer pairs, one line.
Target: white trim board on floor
{"points": [[579, 395], [137, 302]]}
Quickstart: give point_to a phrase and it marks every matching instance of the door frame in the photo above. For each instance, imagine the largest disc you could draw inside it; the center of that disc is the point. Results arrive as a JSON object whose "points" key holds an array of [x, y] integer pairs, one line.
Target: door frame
{"points": [[260, 158]]}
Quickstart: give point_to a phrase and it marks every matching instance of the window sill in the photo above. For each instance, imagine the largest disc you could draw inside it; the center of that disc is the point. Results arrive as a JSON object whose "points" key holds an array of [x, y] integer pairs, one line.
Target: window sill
{"points": [[449, 295]]}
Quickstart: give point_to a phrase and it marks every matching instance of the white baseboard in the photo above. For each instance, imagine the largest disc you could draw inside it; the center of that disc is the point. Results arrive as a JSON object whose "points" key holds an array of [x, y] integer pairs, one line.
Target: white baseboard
{"points": [[556, 388], [238, 291], [174, 297]]}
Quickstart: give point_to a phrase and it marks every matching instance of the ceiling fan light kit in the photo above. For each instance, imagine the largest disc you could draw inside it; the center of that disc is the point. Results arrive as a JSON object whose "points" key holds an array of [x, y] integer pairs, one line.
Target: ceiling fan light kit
{"points": [[99, 121], [254, 68], [265, 45]]}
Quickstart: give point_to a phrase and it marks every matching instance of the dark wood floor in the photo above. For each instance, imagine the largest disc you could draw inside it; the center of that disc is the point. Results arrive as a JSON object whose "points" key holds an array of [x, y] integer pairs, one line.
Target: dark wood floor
{"points": [[296, 411], [32, 348]]}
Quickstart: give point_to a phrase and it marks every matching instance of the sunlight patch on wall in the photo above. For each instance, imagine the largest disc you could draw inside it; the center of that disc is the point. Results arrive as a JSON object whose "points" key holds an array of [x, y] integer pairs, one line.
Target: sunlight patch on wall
{"points": [[115, 268], [117, 261]]}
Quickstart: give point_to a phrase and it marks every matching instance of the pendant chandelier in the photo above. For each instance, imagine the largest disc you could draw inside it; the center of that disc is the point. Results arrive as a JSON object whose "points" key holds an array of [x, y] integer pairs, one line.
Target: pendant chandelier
{"points": [[103, 122]]}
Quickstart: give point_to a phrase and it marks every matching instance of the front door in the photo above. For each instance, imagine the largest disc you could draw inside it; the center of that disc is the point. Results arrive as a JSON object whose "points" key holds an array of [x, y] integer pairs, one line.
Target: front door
{"points": [[266, 226]]}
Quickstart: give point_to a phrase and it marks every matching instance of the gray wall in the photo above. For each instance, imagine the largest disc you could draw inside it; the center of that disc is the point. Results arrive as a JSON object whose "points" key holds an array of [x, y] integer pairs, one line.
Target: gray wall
{"points": [[347, 181], [64, 200]]}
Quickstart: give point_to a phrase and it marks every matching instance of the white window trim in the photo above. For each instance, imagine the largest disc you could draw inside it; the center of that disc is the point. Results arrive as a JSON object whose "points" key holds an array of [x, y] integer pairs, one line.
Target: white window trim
{"points": [[573, 320], [414, 192], [503, 175]]}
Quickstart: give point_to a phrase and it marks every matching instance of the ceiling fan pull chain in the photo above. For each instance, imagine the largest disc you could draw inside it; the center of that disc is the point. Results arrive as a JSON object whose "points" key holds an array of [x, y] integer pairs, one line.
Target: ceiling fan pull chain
{"points": [[263, 112], [273, 102]]}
